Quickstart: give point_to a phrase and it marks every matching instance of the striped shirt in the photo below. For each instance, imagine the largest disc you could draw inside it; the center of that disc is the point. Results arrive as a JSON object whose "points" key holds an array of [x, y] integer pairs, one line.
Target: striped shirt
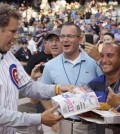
{"points": [[13, 79]]}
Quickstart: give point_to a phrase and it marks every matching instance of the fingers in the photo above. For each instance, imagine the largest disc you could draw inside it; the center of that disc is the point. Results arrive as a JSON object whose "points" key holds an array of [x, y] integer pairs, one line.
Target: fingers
{"points": [[119, 89], [110, 91], [36, 67], [59, 117], [66, 88], [71, 90], [49, 118], [72, 87], [54, 108], [41, 63], [90, 47], [51, 110], [88, 44]]}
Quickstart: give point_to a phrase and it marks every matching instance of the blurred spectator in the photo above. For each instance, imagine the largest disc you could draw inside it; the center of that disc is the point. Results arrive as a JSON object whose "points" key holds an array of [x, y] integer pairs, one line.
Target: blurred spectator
{"points": [[107, 23], [39, 57], [39, 37], [117, 35], [87, 16], [23, 54], [25, 22], [108, 14], [113, 14], [100, 41], [118, 14], [31, 21], [95, 26], [31, 44], [108, 38], [114, 29]]}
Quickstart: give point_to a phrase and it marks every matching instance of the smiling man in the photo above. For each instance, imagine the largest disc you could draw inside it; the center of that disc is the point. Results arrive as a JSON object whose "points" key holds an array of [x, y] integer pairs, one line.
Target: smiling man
{"points": [[74, 67], [110, 65]]}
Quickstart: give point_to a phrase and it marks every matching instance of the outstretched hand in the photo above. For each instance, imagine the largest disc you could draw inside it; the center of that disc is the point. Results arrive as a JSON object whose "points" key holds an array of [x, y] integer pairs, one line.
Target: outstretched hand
{"points": [[66, 88], [49, 118], [35, 74]]}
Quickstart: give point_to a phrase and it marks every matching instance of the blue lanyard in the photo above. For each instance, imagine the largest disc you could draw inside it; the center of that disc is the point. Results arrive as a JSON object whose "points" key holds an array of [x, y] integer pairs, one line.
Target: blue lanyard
{"points": [[67, 74]]}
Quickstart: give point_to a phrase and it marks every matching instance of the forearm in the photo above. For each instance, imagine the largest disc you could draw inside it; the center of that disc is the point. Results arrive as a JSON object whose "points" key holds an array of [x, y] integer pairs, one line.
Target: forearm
{"points": [[33, 101], [37, 90], [47, 104], [18, 119]]}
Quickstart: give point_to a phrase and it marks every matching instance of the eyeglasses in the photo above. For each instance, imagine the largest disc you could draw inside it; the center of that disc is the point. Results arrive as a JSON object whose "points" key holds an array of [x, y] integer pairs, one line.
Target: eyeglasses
{"points": [[69, 36]]}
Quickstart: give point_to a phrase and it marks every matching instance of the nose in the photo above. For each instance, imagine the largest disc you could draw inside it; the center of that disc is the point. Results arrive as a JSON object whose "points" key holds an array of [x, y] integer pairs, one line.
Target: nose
{"points": [[54, 42], [16, 35], [104, 59], [66, 38]]}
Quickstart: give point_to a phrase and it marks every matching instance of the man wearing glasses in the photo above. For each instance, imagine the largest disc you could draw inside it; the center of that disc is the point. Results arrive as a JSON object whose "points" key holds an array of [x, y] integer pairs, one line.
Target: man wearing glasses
{"points": [[74, 67]]}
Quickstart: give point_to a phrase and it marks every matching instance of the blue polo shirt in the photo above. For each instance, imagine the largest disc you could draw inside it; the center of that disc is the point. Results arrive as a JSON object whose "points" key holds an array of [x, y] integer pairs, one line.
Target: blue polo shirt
{"points": [[61, 71]]}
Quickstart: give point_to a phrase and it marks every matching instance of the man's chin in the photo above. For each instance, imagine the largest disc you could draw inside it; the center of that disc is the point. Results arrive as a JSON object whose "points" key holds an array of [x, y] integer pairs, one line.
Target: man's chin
{"points": [[106, 72]]}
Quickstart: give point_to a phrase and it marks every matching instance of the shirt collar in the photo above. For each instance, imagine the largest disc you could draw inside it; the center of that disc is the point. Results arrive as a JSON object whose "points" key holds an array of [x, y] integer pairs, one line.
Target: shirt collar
{"points": [[82, 57]]}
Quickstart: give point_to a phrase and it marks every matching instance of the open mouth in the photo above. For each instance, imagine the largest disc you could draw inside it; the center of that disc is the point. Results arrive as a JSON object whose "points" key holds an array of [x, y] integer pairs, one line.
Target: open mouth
{"points": [[66, 46]]}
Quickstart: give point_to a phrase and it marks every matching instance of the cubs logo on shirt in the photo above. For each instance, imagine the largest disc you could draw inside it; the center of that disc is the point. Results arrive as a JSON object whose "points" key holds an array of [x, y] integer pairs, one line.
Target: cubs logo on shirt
{"points": [[13, 74]]}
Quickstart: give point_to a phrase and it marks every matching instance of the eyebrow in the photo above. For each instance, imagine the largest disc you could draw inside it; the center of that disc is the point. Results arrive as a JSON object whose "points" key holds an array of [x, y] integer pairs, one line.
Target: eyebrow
{"points": [[13, 31]]}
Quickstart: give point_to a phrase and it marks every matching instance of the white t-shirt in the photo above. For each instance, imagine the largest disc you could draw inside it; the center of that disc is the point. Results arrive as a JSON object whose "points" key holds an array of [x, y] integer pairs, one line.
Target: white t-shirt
{"points": [[32, 46]]}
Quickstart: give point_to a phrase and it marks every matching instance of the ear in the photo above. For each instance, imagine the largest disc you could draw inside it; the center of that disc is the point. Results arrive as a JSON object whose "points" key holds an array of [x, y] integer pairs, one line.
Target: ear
{"points": [[1, 30], [80, 39], [45, 42]]}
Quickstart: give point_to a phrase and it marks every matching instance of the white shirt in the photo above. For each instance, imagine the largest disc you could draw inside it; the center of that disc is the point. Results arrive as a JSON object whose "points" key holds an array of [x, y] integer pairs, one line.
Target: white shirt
{"points": [[32, 46]]}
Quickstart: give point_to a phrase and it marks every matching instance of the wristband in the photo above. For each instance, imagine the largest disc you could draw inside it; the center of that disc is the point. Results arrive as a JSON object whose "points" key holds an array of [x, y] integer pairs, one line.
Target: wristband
{"points": [[57, 90], [118, 108]]}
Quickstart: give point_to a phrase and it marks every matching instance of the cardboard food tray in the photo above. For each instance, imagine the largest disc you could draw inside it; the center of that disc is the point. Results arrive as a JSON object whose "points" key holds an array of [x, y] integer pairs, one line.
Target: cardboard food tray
{"points": [[103, 117]]}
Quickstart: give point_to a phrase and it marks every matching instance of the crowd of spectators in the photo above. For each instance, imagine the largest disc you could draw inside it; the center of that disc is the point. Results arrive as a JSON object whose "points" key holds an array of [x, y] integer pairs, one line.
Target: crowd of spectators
{"points": [[37, 39], [91, 18]]}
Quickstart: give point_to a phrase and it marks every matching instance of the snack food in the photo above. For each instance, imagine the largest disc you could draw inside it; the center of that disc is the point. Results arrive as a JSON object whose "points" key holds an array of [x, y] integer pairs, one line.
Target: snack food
{"points": [[104, 106]]}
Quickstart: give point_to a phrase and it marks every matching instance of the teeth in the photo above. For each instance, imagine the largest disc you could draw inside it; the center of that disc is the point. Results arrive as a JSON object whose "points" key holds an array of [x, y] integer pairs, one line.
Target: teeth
{"points": [[104, 66], [66, 45]]}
